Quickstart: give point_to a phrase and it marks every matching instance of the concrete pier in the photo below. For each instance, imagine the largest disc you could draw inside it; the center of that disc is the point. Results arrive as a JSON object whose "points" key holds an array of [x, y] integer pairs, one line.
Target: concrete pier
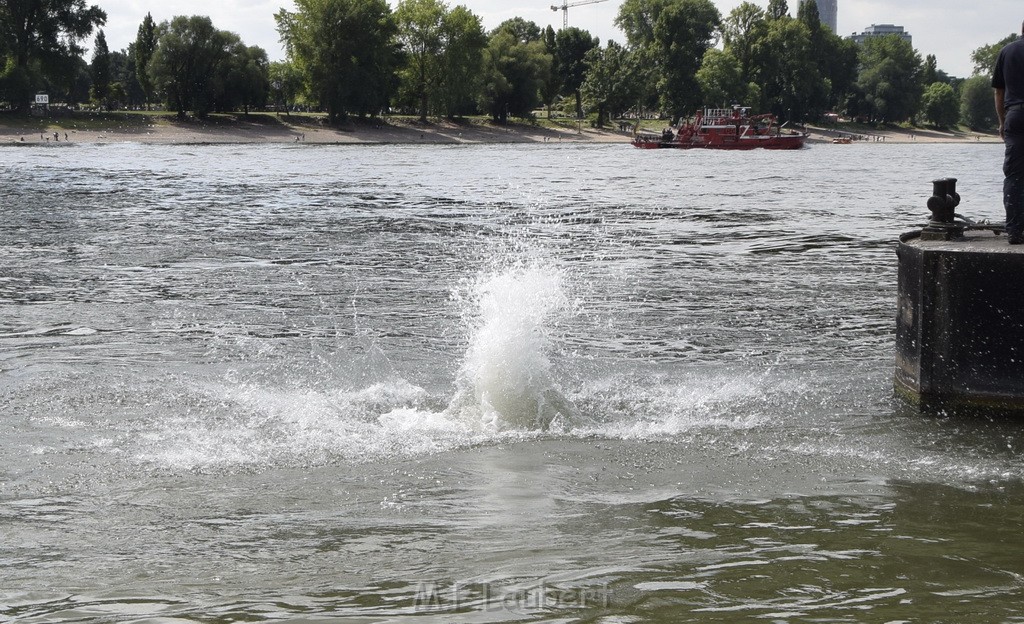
{"points": [[960, 322]]}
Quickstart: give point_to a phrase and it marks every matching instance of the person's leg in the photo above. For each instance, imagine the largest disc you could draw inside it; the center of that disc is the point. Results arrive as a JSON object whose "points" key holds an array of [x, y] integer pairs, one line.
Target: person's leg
{"points": [[1013, 169]]}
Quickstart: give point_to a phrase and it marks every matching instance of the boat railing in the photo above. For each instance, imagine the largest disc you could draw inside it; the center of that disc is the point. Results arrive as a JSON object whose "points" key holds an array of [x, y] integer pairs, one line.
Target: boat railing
{"points": [[717, 113]]}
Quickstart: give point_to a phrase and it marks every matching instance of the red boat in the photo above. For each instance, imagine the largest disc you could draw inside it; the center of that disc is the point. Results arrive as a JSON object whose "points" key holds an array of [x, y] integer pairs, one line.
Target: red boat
{"points": [[725, 128]]}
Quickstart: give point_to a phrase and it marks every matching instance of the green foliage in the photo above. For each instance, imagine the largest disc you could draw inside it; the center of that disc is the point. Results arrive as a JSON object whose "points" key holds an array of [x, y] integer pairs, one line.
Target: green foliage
{"points": [[123, 70], [684, 32], [741, 31], [636, 19], [611, 84], [184, 63], [201, 69], [522, 30], [117, 93], [930, 72], [984, 58], [977, 106], [464, 41], [552, 87], [144, 46], [777, 9], [80, 84], [838, 61], [786, 69], [673, 36], [241, 77], [285, 84], [514, 71], [100, 70], [41, 39], [807, 13], [346, 52], [940, 105], [721, 79], [443, 55], [15, 84], [800, 69], [570, 61], [890, 78], [419, 32]]}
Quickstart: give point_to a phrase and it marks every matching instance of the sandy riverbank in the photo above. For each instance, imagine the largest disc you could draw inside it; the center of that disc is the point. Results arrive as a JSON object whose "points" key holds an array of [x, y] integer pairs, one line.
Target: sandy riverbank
{"points": [[269, 128], [899, 135], [294, 129]]}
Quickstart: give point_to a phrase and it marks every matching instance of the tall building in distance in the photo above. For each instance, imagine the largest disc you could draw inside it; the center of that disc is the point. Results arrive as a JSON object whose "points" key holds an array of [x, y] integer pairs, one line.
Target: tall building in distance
{"points": [[828, 10], [881, 30]]}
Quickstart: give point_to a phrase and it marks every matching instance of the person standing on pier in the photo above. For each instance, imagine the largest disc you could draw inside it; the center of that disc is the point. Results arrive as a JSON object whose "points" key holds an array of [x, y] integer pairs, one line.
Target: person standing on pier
{"points": [[1008, 84]]}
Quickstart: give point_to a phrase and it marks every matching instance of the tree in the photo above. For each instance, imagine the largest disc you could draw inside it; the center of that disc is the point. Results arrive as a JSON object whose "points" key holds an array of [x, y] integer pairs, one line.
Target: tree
{"points": [[838, 63], [443, 50], [930, 71], [720, 78], [116, 94], [834, 57], [672, 35], [514, 70], [787, 72], [346, 52], [809, 15], [100, 70], [464, 40], [777, 9], [419, 32], [940, 105], [80, 84], [522, 30], [185, 61], [124, 88], [123, 70], [984, 58], [890, 77], [285, 83], [571, 48], [145, 45], [977, 110], [610, 85], [45, 32], [740, 31], [241, 76], [553, 85]]}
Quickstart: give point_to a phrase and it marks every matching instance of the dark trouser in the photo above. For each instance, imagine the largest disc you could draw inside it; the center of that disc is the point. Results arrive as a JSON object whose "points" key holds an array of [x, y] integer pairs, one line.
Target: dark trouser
{"points": [[1013, 169]]}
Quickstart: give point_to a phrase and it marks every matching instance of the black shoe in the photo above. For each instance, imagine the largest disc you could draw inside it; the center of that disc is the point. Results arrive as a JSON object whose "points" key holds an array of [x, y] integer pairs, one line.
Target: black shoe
{"points": [[1016, 239]]}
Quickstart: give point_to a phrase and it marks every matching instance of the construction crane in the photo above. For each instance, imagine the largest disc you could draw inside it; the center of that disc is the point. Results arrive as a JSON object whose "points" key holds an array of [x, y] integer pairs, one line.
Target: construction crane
{"points": [[566, 5]]}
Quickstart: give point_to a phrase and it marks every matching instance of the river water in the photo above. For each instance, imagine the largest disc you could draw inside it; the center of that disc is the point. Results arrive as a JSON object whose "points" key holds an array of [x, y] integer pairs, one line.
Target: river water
{"points": [[552, 383]]}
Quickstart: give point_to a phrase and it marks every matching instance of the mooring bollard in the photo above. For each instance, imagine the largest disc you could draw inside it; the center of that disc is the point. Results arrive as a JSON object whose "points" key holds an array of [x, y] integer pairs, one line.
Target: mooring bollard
{"points": [[943, 203]]}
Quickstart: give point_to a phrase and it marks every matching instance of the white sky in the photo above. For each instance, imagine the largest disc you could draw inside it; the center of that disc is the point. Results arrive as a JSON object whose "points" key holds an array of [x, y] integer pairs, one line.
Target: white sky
{"points": [[949, 29]]}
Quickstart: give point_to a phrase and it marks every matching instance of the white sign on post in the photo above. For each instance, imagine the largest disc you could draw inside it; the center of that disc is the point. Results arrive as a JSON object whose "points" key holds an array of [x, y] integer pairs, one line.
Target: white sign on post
{"points": [[42, 98]]}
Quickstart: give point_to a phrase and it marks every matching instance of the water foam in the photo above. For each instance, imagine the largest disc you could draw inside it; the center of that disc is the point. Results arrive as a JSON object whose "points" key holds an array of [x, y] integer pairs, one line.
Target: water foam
{"points": [[505, 387], [256, 426], [506, 380], [508, 387]]}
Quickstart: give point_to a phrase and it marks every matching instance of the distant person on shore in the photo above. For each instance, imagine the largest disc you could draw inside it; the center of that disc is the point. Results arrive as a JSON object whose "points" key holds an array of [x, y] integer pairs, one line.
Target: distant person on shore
{"points": [[1008, 84]]}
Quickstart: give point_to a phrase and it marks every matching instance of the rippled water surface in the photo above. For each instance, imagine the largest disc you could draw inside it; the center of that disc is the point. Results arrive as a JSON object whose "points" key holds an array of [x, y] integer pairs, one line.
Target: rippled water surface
{"points": [[483, 384]]}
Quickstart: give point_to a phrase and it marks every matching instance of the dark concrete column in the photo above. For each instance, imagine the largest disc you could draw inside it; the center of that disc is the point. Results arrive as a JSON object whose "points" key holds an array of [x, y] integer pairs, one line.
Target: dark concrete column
{"points": [[960, 322]]}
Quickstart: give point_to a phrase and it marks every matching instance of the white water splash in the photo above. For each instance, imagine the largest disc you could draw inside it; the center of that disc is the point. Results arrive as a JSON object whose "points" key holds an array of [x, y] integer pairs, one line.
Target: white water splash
{"points": [[506, 380]]}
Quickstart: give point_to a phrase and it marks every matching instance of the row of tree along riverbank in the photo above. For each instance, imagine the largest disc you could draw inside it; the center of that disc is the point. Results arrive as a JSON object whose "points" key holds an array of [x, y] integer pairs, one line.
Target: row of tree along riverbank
{"points": [[361, 58]]}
